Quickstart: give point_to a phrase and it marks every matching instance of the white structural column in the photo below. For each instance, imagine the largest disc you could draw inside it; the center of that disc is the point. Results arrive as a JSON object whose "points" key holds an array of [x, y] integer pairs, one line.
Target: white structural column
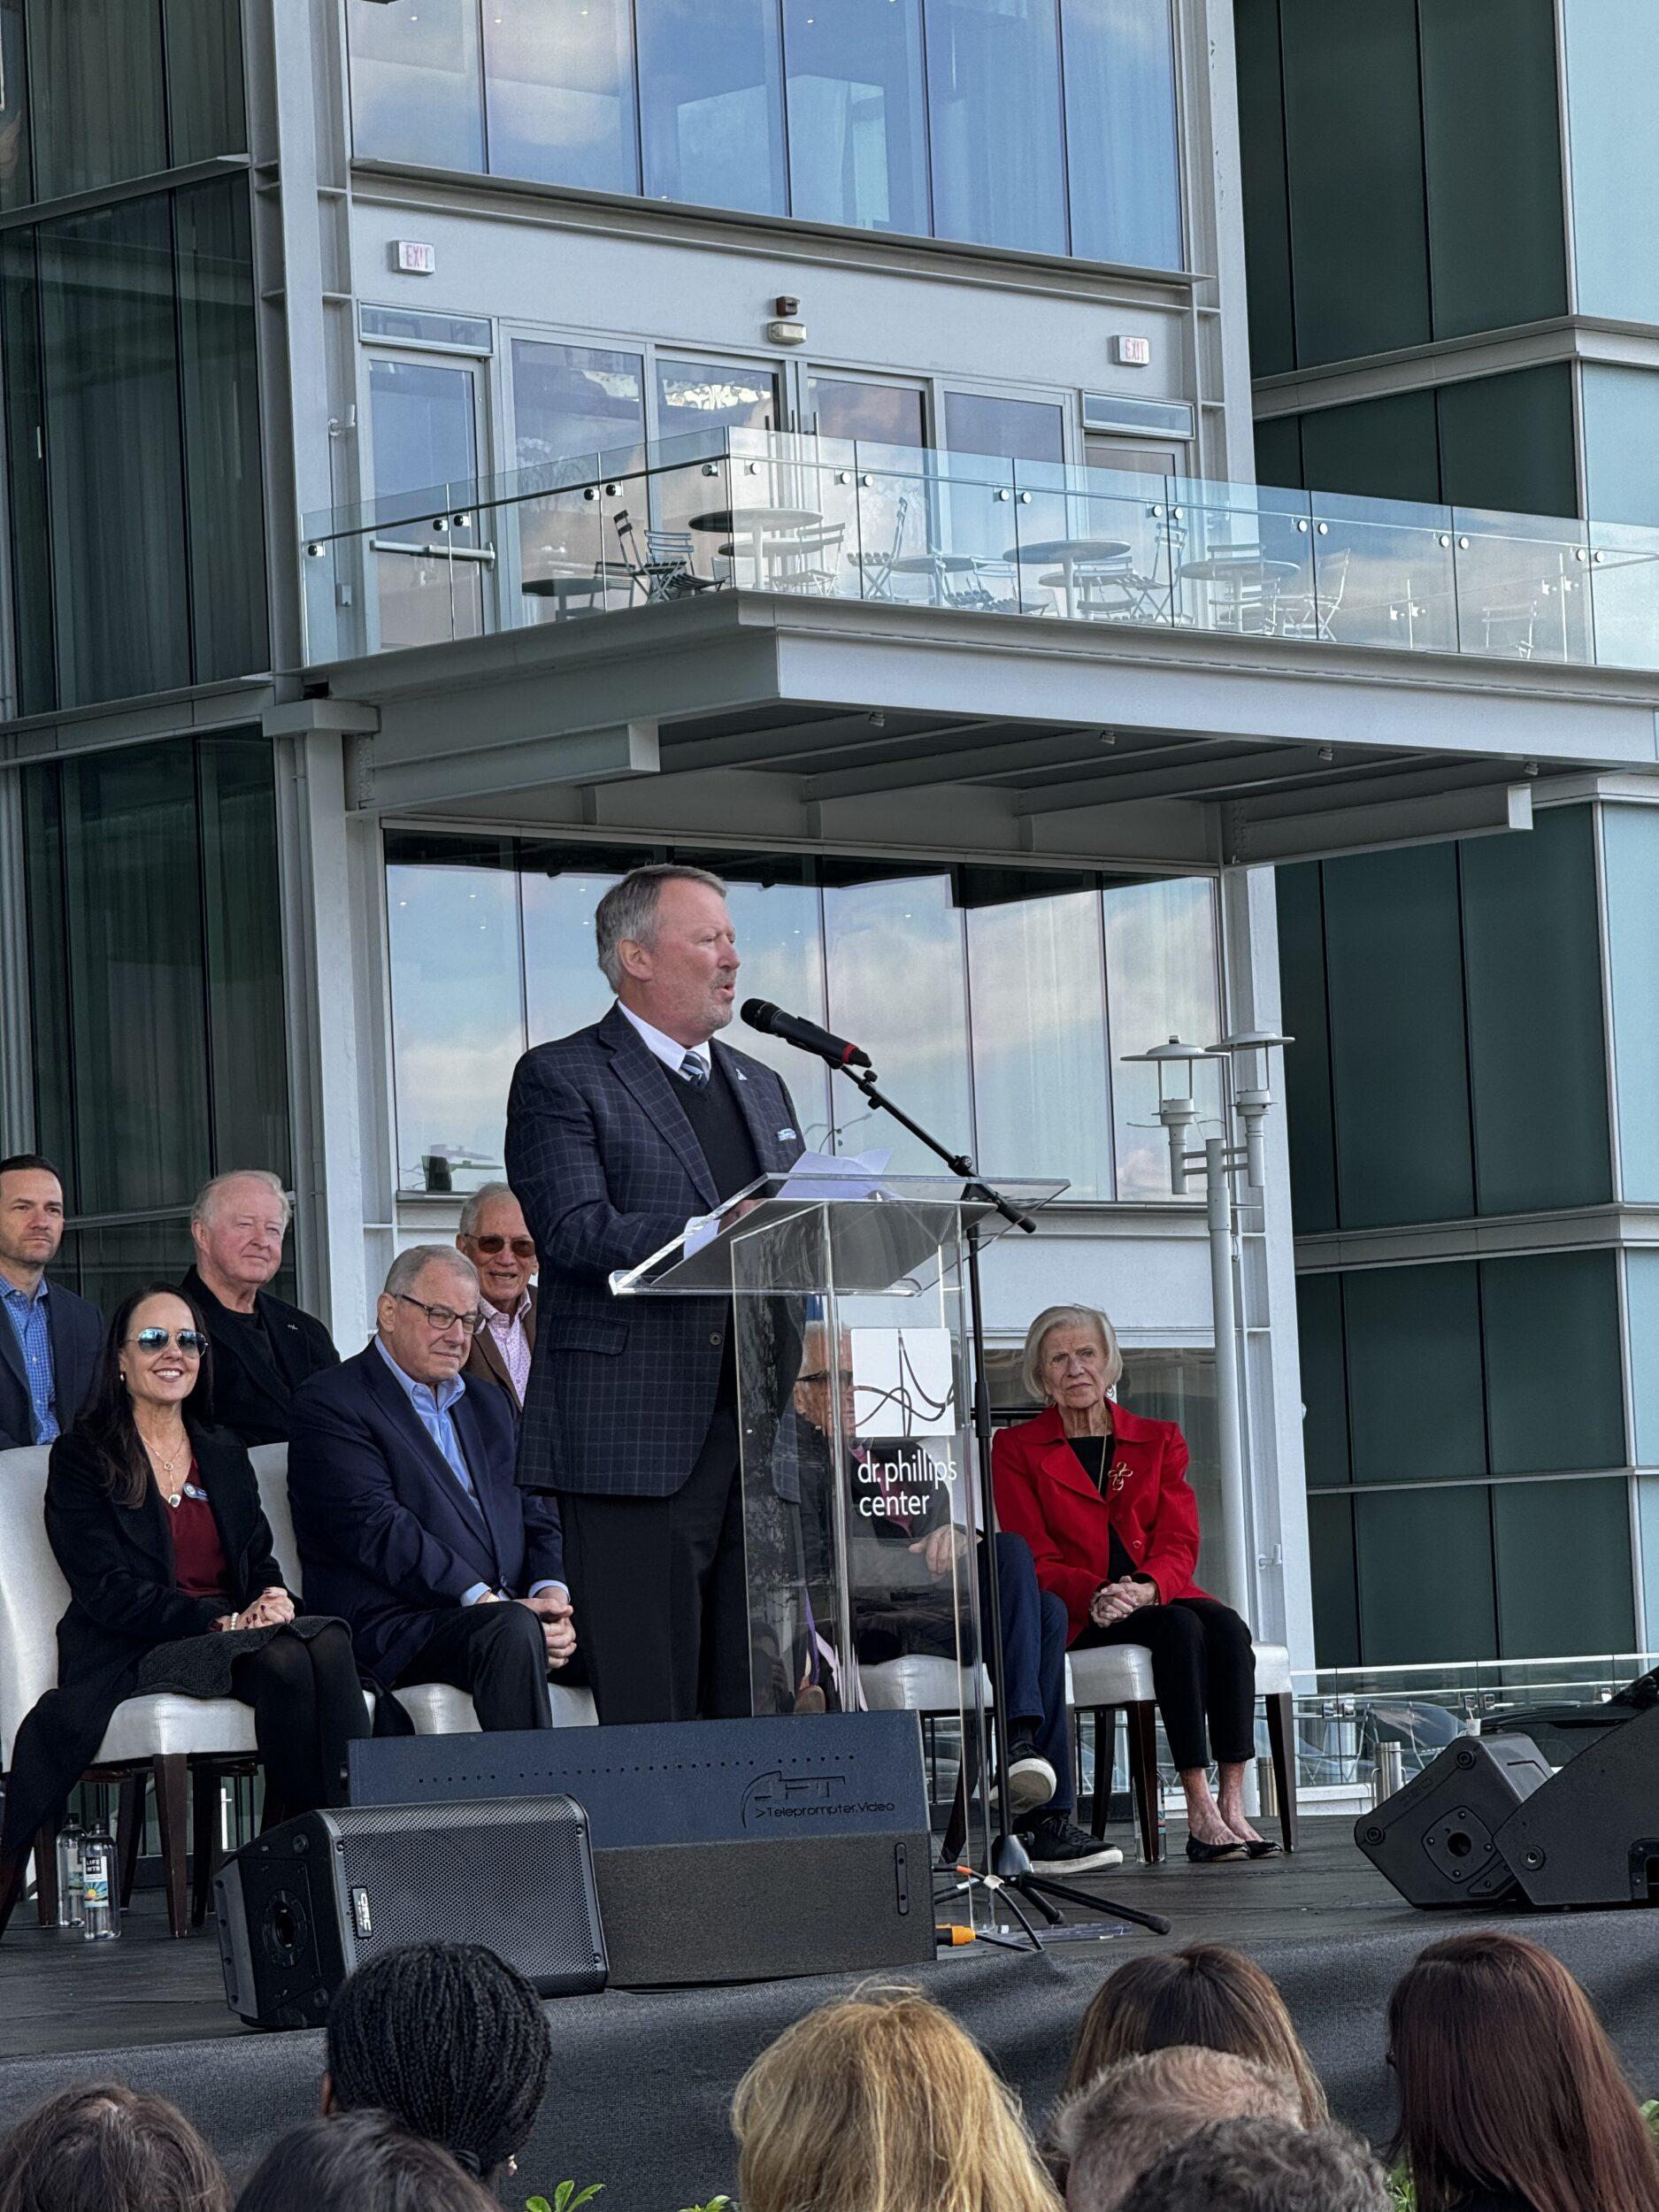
{"points": [[338, 1099], [1281, 1582]]}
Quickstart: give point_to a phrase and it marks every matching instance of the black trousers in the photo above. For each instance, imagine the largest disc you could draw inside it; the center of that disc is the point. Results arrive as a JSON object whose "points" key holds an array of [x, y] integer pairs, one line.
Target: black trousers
{"points": [[661, 1594], [1202, 1669], [308, 1705], [497, 1653]]}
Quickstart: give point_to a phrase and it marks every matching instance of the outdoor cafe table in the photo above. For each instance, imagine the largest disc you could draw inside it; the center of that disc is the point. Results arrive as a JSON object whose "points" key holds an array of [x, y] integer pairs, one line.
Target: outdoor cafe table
{"points": [[1248, 570], [1071, 554], [748, 526]]}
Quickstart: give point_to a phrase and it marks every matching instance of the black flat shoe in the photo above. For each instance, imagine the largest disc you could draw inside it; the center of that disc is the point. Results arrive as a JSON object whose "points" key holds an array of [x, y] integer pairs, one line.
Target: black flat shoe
{"points": [[1212, 1853], [1262, 1848]]}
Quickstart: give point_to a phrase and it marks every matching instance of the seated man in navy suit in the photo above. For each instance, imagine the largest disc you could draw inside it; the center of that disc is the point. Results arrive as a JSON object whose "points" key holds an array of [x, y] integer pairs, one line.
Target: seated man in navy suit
{"points": [[409, 1522]]}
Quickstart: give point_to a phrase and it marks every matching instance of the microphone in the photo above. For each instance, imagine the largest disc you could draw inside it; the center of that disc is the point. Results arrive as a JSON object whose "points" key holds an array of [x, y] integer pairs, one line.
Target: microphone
{"points": [[761, 1014]]}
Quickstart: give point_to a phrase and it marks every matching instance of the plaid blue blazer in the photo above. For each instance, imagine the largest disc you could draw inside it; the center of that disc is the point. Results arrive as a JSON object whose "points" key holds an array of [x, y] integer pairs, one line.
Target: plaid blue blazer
{"points": [[604, 1163]]}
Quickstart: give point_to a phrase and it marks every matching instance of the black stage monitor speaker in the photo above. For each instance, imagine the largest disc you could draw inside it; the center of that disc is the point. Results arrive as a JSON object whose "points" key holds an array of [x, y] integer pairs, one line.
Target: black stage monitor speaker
{"points": [[1590, 1836], [1437, 1840], [300, 1907], [731, 1850]]}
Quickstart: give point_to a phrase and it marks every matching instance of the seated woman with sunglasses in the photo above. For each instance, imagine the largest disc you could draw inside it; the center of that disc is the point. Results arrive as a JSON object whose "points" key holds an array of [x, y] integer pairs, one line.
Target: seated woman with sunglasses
{"points": [[154, 1516]]}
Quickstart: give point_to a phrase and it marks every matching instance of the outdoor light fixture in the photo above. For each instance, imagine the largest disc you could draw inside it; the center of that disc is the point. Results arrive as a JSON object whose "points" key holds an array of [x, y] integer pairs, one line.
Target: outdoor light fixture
{"points": [[1245, 1100], [786, 329]]}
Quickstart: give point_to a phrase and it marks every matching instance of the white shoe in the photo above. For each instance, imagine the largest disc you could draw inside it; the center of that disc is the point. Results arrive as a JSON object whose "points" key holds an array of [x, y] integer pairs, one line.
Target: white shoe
{"points": [[1032, 1781]]}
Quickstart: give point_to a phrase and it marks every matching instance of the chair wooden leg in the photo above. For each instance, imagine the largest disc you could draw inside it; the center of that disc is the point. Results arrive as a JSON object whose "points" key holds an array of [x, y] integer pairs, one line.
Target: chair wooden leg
{"points": [[129, 1828], [1105, 1766], [204, 1819], [173, 1790], [1282, 1740], [1143, 1776], [46, 1878]]}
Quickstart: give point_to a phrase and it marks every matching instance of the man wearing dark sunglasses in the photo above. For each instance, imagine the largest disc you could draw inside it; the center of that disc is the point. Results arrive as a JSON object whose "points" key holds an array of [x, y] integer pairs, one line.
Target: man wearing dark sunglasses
{"points": [[494, 1237]]}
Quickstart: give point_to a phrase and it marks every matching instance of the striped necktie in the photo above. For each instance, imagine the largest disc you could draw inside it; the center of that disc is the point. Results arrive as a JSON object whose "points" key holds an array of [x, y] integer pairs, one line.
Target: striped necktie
{"points": [[694, 1071]]}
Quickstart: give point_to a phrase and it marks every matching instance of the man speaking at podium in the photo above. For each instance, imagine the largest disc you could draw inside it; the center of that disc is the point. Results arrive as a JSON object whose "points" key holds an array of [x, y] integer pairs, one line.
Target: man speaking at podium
{"points": [[617, 1137]]}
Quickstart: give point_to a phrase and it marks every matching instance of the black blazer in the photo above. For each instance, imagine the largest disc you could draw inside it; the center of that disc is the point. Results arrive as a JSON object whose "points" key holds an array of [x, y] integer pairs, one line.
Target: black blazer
{"points": [[76, 1328], [388, 1540], [117, 1562], [251, 1398]]}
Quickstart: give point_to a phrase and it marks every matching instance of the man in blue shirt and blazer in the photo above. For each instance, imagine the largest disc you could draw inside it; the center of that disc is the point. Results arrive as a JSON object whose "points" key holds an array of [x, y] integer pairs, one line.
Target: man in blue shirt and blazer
{"points": [[408, 1522], [50, 1338], [617, 1137]]}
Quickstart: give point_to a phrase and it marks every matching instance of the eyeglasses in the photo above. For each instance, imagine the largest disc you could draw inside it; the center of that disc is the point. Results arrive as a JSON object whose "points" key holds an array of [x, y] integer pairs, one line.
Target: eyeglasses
{"points": [[189, 1341], [818, 1376], [523, 1247], [444, 1318]]}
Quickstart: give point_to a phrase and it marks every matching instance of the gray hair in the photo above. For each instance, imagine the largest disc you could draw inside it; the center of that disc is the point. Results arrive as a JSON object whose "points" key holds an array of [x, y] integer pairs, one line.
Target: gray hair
{"points": [[1068, 1317], [405, 1270], [1100, 2141], [476, 1203], [628, 909], [207, 1197], [1262, 2166]]}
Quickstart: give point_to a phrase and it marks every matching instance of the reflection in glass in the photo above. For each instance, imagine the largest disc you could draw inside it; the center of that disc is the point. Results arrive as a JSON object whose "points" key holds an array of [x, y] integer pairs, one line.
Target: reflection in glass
{"points": [[561, 886], [16, 189], [1181, 1386], [95, 93], [1161, 982], [1041, 1098], [458, 1015], [206, 114], [1124, 167], [133, 888], [113, 457], [572, 400], [993, 106], [711, 103], [889, 414], [423, 420], [857, 142], [704, 395], [23, 371], [416, 93], [896, 986], [559, 85], [1016, 429]]}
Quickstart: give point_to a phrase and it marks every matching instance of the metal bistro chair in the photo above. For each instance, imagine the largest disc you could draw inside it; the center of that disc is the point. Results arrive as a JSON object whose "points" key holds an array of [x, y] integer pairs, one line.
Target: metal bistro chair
{"points": [[1310, 614], [665, 570], [807, 561], [1106, 1676]]}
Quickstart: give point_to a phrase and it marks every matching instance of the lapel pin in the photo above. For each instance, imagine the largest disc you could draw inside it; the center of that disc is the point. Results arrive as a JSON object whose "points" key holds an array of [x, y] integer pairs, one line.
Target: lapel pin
{"points": [[787, 1133]]}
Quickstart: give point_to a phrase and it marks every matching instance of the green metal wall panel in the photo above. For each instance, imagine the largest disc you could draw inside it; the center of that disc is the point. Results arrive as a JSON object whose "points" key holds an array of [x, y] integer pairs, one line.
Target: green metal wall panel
{"points": [[1336, 1642], [1424, 1576], [1414, 1375], [1555, 1395], [1324, 1380], [1537, 1044], [1308, 1061], [1565, 1582], [1394, 970], [1374, 448], [1507, 442], [1266, 205]]}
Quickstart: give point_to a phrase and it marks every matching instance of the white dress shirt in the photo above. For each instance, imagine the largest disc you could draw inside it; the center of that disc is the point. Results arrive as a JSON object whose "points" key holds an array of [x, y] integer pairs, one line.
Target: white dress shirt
{"points": [[669, 1050]]}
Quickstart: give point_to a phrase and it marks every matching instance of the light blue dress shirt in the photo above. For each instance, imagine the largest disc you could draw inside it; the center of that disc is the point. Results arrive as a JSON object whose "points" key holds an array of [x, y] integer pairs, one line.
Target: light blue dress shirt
{"points": [[434, 1404], [28, 1317]]}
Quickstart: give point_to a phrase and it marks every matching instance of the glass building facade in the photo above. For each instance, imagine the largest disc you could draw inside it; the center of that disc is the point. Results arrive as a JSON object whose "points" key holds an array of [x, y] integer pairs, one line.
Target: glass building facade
{"points": [[155, 991], [1023, 989], [1044, 125]]}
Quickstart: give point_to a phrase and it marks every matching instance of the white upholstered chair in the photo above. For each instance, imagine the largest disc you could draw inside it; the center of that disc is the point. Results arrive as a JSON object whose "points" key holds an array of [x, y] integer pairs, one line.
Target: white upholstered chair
{"points": [[1108, 1676], [160, 1738]]}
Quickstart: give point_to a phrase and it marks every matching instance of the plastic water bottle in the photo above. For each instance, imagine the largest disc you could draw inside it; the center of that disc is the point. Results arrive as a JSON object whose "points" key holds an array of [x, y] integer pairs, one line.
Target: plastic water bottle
{"points": [[100, 1900], [69, 1842]]}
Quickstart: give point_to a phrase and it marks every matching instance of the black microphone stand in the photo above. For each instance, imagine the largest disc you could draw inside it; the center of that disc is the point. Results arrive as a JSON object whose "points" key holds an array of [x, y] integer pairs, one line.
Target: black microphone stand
{"points": [[1010, 1862]]}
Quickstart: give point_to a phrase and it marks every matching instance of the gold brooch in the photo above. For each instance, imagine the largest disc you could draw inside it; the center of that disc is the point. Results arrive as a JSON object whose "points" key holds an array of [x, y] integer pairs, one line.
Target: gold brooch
{"points": [[1120, 1474]]}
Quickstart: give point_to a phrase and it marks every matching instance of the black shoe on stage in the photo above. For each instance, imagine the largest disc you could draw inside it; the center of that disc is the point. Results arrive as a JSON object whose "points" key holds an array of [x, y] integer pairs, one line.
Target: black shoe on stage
{"points": [[1262, 1847], [1213, 1853], [1057, 1845]]}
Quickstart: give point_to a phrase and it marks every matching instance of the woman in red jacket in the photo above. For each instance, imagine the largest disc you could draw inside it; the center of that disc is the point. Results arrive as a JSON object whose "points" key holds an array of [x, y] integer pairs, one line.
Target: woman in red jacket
{"points": [[1103, 1498]]}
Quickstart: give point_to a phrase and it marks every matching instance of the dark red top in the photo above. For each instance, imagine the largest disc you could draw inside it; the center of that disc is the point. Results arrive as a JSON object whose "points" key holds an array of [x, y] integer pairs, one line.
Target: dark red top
{"points": [[198, 1557]]}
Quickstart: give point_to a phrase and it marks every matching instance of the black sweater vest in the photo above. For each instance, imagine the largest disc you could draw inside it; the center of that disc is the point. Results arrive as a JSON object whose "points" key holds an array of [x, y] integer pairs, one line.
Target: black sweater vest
{"points": [[722, 1134]]}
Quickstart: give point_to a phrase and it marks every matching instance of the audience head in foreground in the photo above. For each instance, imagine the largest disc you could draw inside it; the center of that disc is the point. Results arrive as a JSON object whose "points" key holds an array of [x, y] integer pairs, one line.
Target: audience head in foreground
{"points": [[1511, 2098], [363, 2162], [1262, 2166], [882, 2104], [449, 2039], [1104, 2139], [104, 2146], [1203, 1993]]}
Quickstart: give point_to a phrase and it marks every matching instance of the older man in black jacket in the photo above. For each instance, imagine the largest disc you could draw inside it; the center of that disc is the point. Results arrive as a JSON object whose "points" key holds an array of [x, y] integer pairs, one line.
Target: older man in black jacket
{"points": [[263, 1348]]}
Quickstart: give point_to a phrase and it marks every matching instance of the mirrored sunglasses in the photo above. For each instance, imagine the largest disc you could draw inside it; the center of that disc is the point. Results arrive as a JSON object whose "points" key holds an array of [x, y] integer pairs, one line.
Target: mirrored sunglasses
{"points": [[189, 1341]]}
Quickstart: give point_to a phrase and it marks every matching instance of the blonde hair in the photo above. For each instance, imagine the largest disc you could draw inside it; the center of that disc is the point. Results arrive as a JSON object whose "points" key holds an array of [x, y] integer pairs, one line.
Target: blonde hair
{"points": [[882, 2103], [1068, 1317]]}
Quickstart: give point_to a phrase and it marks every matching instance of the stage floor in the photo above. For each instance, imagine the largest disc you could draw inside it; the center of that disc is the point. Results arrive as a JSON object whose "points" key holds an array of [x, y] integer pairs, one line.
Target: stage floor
{"points": [[642, 2080]]}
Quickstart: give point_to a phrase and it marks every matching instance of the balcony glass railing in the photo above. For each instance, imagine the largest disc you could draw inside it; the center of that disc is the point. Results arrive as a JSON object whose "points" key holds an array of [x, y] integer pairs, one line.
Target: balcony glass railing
{"points": [[821, 517]]}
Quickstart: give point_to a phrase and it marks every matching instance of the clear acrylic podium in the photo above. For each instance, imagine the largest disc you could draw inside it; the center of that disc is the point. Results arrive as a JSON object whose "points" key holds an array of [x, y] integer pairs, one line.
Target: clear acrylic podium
{"points": [[861, 1507]]}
